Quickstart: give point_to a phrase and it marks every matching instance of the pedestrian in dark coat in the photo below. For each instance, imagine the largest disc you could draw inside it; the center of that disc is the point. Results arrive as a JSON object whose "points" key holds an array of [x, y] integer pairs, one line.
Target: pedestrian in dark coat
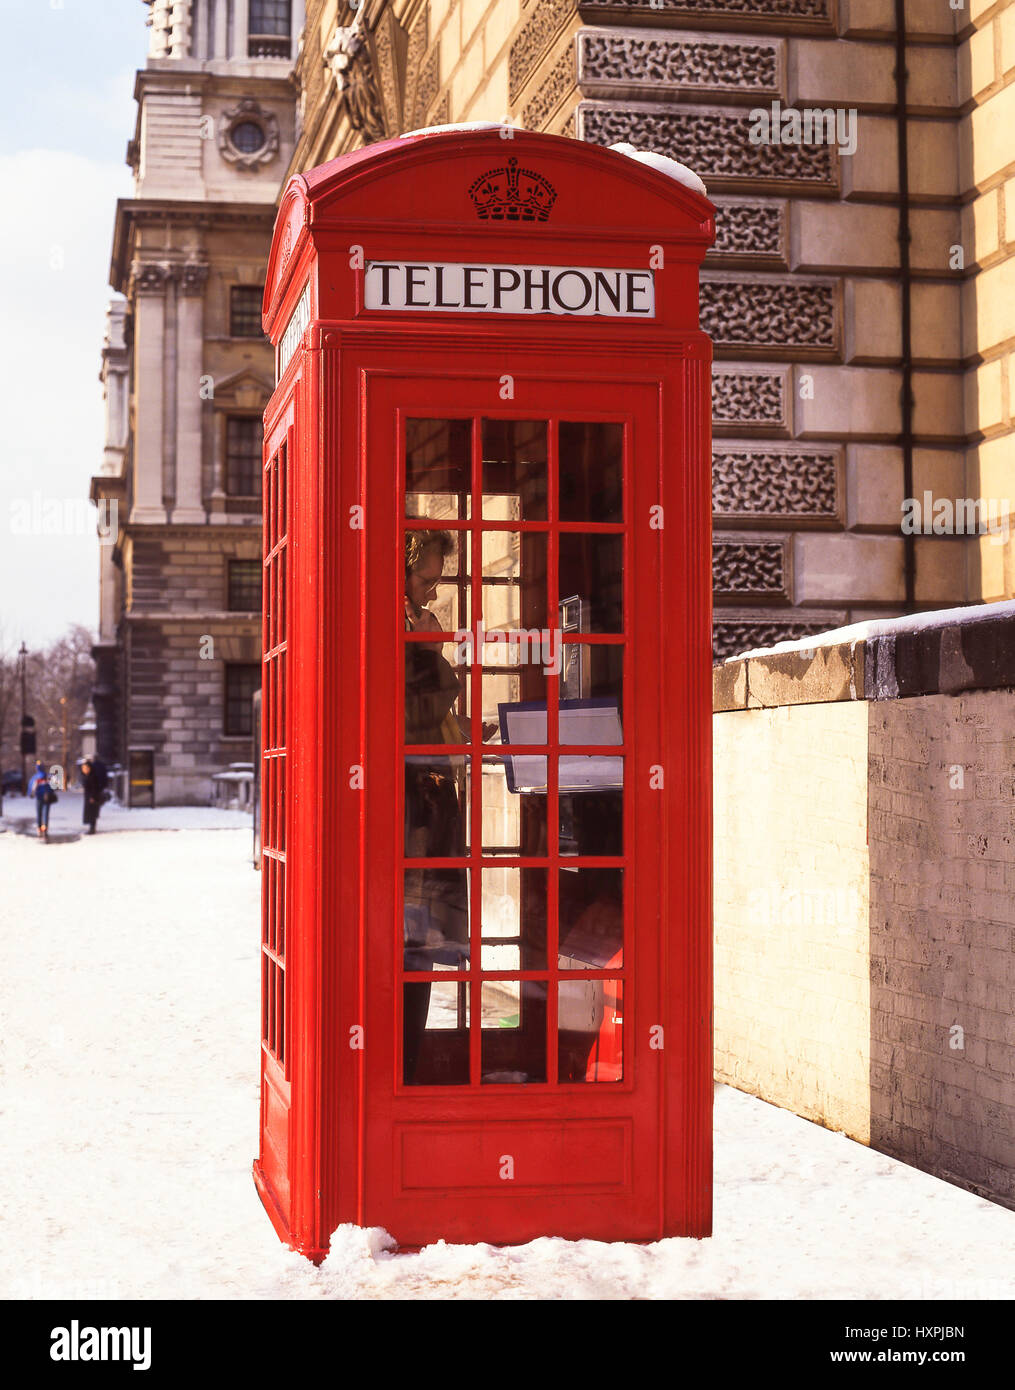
{"points": [[44, 798], [93, 780]]}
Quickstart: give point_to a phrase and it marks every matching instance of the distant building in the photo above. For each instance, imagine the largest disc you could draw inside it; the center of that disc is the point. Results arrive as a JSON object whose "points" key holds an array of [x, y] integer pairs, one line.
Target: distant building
{"points": [[187, 372], [862, 305]]}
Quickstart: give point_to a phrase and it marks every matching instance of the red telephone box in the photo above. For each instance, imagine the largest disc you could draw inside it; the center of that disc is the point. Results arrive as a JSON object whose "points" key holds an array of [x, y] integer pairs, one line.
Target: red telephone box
{"points": [[486, 955]]}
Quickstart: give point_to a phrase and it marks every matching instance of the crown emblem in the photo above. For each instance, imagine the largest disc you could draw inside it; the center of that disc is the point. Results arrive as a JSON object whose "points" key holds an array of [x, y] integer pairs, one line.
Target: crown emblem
{"points": [[512, 194]]}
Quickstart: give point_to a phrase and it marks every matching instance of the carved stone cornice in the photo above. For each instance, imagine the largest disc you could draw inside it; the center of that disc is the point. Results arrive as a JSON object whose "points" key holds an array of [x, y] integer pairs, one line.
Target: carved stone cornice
{"points": [[149, 278], [193, 278], [378, 73]]}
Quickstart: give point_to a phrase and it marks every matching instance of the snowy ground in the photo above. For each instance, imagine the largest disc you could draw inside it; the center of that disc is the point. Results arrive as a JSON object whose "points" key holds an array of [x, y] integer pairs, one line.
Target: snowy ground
{"points": [[129, 1027]]}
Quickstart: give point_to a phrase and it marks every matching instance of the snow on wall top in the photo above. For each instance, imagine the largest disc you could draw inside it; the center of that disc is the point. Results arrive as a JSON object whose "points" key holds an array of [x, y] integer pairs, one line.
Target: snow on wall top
{"points": [[887, 627]]}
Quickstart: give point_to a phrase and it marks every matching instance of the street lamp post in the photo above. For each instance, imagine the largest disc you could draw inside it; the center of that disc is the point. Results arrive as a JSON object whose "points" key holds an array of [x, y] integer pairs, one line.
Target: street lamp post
{"points": [[63, 705], [22, 664]]}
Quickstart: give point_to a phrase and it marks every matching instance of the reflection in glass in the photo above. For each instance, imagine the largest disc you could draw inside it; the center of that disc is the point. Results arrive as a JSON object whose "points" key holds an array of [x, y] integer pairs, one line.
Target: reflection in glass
{"points": [[514, 1031], [438, 468], [436, 807], [514, 919], [514, 580], [436, 580], [514, 470], [591, 918], [592, 821], [513, 823], [437, 694], [591, 471], [435, 1033], [436, 918], [593, 671], [592, 567], [590, 1018]]}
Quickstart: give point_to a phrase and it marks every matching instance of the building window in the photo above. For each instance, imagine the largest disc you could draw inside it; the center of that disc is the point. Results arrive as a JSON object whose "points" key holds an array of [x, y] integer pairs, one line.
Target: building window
{"points": [[241, 682], [245, 310], [248, 137], [245, 586], [243, 455], [269, 28]]}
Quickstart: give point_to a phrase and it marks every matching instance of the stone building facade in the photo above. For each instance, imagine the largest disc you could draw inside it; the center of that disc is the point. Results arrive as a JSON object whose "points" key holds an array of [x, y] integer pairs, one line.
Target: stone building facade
{"points": [[187, 372], [860, 291]]}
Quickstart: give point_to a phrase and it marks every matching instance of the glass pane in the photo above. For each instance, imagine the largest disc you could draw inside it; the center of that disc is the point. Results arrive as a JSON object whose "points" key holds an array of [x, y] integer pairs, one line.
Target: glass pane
{"points": [[437, 798], [514, 580], [590, 1017], [592, 820], [514, 1031], [436, 919], [514, 919], [514, 470], [591, 471], [437, 693], [591, 919], [507, 687], [591, 568], [435, 1034], [514, 824], [592, 672], [438, 468], [436, 581]]}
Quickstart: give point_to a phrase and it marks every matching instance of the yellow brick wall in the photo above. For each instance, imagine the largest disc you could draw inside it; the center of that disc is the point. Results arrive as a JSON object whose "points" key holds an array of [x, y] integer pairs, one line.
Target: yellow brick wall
{"points": [[986, 74]]}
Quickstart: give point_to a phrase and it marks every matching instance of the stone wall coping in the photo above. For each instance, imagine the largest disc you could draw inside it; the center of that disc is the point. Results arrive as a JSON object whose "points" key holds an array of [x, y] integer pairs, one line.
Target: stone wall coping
{"points": [[942, 652]]}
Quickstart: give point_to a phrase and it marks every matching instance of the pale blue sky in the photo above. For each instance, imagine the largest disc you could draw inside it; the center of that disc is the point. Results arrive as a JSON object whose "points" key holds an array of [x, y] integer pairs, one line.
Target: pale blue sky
{"points": [[68, 111]]}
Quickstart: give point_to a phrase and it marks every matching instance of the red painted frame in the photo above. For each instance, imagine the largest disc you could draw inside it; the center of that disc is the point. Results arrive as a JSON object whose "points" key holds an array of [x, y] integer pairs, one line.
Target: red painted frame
{"points": [[342, 1139]]}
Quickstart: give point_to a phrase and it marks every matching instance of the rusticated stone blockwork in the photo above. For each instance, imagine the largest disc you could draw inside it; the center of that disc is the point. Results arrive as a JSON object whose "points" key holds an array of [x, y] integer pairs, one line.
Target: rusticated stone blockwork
{"points": [[715, 141], [773, 315], [731, 636], [813, 11], [744, 398], [639, 58], [548, 16], [552, 91], [745, 568], [787, 483], [753, 231]]}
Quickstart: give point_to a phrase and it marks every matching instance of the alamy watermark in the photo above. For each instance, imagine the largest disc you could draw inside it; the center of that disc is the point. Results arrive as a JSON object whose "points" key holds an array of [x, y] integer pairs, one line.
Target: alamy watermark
{"points": [[64, 516], [517, 647], [814, 125], [959, 516]]}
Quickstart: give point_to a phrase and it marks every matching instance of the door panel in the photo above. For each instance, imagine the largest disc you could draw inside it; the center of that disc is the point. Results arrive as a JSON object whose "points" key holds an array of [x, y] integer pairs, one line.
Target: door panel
{"points": [[506, 997]]}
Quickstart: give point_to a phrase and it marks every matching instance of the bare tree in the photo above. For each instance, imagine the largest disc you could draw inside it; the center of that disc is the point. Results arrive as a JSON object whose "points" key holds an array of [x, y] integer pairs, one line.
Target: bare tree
{"points": [[58, 683]]}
